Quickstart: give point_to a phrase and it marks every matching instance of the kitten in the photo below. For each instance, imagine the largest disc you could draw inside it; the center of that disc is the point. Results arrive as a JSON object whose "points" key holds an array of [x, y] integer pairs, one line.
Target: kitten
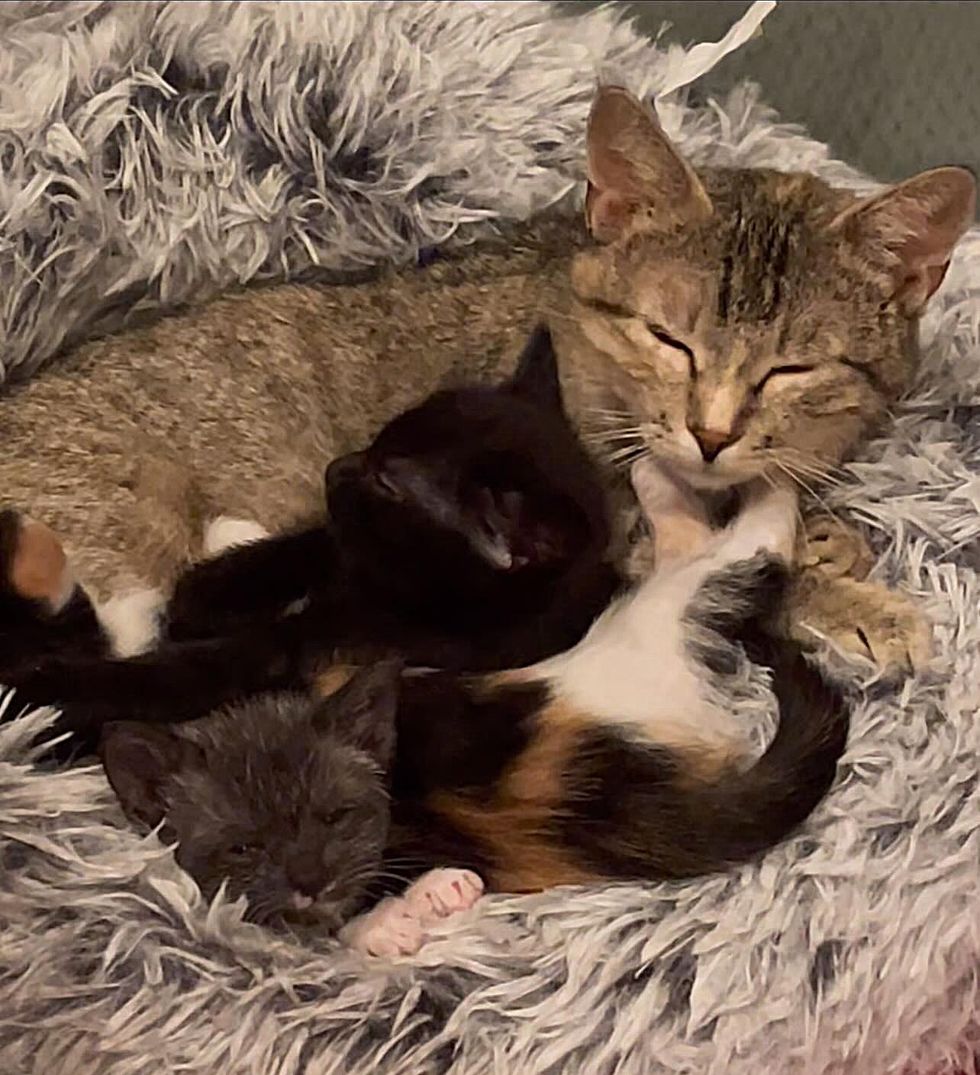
{"points": [[612, 760], [283, 801], [471, 534], [731, 321], [616, 759]]}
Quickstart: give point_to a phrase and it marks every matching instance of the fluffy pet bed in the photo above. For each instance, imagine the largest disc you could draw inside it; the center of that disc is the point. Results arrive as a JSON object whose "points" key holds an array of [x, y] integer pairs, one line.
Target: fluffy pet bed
{"points": [[153, 150]]}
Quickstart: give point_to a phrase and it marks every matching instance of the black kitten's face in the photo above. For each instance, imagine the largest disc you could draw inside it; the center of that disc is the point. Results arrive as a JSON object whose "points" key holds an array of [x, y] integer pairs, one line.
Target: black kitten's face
{"points": [[282, 800], [474, 489]]}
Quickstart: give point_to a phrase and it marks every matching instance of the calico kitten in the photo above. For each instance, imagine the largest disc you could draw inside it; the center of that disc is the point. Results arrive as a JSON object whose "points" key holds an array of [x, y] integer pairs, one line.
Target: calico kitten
{"points": [[283, 801], [471, 534], [616, 759], [612, 760], [731, 321]]}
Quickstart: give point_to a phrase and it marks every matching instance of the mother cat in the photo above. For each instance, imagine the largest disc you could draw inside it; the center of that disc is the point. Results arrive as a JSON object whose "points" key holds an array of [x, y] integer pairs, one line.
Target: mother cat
{"points": [[731, 322]]}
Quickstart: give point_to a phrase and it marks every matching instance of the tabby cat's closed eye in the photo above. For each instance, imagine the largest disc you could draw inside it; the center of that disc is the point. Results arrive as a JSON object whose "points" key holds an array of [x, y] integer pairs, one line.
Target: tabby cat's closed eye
{"points": [[781, 371]]}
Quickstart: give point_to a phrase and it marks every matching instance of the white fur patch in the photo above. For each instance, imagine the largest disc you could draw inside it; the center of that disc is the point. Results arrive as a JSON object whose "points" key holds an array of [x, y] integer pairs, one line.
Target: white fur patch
{"points": [[633, 667], [132, 620], [225, 532], [397, 926]]}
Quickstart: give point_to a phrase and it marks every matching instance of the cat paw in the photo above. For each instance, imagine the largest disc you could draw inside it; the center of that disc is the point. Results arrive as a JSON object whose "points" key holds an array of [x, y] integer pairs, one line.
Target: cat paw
{"points": [[767, 521], [443, 892], [132, 620], [33, 564], [863, 619], [392, 928], [834, 549], [226, 532]]}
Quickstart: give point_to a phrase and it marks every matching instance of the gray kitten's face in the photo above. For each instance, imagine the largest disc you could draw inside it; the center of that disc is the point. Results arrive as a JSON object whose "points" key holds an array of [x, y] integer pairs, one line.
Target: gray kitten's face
{"points": [[281, 799], [293, 819]]}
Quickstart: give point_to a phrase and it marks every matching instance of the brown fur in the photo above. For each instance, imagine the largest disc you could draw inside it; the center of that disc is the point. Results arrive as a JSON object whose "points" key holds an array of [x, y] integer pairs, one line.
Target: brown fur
{"points": [[704, 285], [514, 825], [39, 564]]}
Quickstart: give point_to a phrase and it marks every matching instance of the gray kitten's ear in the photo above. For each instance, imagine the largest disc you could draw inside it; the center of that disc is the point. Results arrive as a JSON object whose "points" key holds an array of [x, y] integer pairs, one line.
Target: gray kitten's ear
{"points": [[139, 760], [913, 226], [536, 377], [362, 712]]}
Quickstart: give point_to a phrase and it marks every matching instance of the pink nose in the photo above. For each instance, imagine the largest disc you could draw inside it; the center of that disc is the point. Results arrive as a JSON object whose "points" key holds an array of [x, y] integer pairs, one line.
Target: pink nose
{"points": [[712, 441], [300, 901]]}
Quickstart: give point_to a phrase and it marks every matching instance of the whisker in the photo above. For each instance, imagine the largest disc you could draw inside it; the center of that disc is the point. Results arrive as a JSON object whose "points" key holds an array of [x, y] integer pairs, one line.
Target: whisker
{"points": [[792, 475]]}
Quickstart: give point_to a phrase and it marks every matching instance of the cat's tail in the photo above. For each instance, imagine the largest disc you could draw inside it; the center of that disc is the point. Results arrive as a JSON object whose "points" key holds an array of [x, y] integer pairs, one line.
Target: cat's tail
{"points": [[649, 812], [746, 812]]}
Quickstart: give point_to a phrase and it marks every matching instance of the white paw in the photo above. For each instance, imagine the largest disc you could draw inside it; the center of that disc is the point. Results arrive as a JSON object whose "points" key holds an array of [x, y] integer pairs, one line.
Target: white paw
{"points": [[390, 929], [132, 620], [443, 892], [225, 532], [767, 521]]}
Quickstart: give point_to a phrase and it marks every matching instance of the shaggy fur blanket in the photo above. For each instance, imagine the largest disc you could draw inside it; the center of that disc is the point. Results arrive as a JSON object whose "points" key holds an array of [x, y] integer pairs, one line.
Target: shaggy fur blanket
{"points": [[152, 151]]}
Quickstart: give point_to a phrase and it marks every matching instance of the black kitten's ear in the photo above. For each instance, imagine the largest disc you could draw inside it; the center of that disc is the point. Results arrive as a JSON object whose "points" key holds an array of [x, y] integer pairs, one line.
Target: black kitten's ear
{"points": [[536, 377], [363, 710], [139, 760], [342, 469]]}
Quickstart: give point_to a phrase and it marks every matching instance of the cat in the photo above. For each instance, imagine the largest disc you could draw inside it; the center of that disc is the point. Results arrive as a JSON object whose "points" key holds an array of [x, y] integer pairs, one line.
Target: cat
{"points": [[610, 761], [471, 534], [283, 801], [731, 322]]}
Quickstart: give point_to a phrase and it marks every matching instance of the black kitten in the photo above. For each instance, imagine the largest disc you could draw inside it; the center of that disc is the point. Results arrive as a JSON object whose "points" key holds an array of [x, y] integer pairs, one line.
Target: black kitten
{"points": [[471, 535]]}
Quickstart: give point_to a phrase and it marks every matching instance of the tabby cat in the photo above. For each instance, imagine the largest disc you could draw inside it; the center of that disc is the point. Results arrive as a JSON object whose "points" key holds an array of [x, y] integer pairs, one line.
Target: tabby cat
{"points": [[731, 322]]}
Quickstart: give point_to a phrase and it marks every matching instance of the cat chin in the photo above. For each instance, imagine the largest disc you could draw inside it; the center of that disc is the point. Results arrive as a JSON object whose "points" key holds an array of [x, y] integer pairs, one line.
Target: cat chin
{"points": [[707, 478]]}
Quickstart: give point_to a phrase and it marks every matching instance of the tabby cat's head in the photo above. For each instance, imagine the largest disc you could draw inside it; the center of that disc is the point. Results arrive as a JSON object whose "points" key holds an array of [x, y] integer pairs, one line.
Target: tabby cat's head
{"points": [[746, 321]]}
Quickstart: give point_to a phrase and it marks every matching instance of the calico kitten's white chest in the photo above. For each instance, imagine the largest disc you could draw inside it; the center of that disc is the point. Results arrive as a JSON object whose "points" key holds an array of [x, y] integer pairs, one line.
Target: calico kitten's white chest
{"points": [[633, 669]]}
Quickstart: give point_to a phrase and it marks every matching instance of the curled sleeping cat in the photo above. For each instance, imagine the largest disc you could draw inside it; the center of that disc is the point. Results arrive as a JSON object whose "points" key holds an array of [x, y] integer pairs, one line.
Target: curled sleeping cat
{"points": [[730, 322], [613, 760], [471, 534]]}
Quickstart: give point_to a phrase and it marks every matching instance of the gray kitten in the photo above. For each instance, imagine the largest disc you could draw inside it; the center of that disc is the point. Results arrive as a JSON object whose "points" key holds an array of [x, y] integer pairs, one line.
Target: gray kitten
{"points": [[283, 796], [283, 799]]}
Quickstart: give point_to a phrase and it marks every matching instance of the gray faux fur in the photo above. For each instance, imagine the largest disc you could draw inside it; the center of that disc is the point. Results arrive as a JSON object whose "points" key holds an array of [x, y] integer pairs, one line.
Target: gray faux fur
{"points": [[852, 949]]}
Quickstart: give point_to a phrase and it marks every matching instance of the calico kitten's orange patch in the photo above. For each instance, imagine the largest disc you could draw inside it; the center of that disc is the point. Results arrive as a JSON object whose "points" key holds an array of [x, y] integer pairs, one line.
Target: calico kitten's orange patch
{"points": [[515, 828], [39, 567]]}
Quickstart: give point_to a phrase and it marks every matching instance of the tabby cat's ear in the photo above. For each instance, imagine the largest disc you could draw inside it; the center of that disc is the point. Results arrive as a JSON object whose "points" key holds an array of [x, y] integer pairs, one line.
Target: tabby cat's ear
{"points": [[139, 760], [536, 377], [915, 225], [362, 712], [635, 174]]}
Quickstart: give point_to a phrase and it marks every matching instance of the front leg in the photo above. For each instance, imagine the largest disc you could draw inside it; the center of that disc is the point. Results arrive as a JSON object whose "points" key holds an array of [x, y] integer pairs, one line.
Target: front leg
{"points": [[250, 583], [43, 609], [831, 598]]}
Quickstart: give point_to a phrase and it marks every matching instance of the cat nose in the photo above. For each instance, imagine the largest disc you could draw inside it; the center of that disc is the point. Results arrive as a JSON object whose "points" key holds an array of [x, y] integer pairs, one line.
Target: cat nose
{"points": [[306, 875], [712, 441]]}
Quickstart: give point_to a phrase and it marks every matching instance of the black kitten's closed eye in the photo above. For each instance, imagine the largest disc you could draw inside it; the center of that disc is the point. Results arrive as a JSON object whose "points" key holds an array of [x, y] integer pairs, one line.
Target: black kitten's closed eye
{"points": [[780, 371], [384, 484], [333, 817]]}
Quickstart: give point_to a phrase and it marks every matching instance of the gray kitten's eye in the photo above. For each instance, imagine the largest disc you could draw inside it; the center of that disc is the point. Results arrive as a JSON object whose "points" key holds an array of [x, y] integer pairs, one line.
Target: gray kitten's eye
{"points": [[241, 850], [331, 817], [780, 371]]}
